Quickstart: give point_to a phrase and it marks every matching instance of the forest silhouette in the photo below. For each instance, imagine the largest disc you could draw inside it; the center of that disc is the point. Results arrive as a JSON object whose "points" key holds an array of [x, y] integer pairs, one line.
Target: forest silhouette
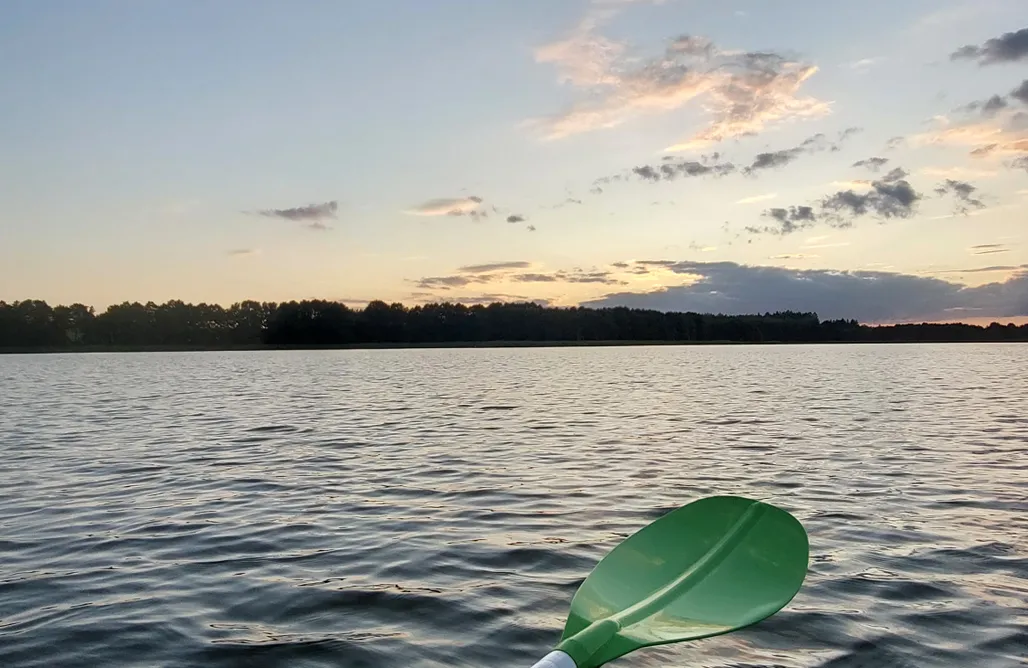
{"points": [[34, 324]]}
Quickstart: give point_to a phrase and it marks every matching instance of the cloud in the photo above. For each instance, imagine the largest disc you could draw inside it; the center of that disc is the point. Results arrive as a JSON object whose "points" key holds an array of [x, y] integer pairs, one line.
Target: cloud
{"points": [[847, 133], [669, 171], [788, 220], [1001, 134], [868, 296], [873, 164], [894, 143], [955, 172], [1021, 92], [984, 270], [964, 194], [757, 198], [493, 266], [988, 107], [534, 278], [530, 228], [447, 282], [500, 272], [989, 249], [864, 64], [449, 206], [574, 276], [313, 214], [514, 218], [782, 157], [240, 252], [743, 92], [480, 299], [1007, 48], [891, 196], [793, 256]]}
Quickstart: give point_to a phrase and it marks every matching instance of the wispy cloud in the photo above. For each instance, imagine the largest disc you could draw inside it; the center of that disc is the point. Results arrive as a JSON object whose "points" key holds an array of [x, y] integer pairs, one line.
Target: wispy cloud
{"points": [[448, 206], [493, 267], [964, 194], [512, 272], [757, 198], [865, 64], [989, 249], [955, 172], [873, 164], [240, 252], [515, 218], [782, 157], [743, 92], [312, 214], [982, 270], [993, 128]]}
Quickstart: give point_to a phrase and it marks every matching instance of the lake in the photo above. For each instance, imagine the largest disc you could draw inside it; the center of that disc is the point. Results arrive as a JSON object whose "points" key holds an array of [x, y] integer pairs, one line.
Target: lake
{"points": [[396, 508]]}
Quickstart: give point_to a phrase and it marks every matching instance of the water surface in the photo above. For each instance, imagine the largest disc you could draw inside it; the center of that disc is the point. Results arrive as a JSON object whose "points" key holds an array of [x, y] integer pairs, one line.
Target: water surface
{"points": [[440, 507]]}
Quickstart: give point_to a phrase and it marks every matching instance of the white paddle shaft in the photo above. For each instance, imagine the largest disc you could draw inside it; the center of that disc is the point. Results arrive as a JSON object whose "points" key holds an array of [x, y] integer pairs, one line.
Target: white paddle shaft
{"points": [[556, 659]]}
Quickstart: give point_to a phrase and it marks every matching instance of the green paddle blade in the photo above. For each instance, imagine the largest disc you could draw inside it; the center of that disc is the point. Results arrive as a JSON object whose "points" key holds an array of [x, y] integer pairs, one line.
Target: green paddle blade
{"points": [[710, 567]]}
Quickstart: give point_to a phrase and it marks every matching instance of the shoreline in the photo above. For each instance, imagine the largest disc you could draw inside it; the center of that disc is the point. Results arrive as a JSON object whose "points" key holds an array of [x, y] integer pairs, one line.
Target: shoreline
{"points": [[52, 350]]}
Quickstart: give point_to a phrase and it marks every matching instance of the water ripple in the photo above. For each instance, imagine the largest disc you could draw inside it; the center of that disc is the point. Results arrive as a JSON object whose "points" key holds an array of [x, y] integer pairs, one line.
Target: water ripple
{"points": [[440, 507]]}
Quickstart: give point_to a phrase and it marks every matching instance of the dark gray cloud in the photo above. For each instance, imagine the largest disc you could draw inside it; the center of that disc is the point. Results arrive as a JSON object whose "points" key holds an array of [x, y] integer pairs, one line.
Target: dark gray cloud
{"points": [[964, 194], [501, 271], [1021, 92], [712, 165], [895, 174], [480, 299], [788, 220], [894, 143], [782, 157], [849, 132], [773, 159], [515, 218], [985, 270], [874, 164], [534, 278], [1007, 48], [494, 266], [447, 282], [888, 197], [530, 228], [988, 107], [868, 296], [989, 249], [312, 214], [580, 276], [573, 276], [669, 171], [885, 199]]}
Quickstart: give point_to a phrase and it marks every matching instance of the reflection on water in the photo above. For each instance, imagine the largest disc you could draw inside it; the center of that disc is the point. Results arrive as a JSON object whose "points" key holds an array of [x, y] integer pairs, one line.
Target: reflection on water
{"points": [[440, 507]]}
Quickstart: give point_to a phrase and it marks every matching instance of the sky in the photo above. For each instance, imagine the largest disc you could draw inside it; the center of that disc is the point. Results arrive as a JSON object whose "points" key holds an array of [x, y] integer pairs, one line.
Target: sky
{"points": [[861, 160]]}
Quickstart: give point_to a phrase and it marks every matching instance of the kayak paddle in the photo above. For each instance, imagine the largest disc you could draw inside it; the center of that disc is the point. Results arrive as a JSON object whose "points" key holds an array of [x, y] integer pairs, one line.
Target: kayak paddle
{"points": [[713, 566]]}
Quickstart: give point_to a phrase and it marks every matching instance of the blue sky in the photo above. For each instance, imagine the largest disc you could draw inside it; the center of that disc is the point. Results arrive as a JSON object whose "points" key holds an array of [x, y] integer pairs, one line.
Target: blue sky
{"points": [[194, 150]]}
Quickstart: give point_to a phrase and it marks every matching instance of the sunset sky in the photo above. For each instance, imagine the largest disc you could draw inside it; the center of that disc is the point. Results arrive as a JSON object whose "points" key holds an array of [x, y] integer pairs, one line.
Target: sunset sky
{"points": [[863, 160]]}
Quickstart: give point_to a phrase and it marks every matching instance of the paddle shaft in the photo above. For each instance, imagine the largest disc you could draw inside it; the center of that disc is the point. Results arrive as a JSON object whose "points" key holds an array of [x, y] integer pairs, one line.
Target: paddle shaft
{"points": [[556, 659]]}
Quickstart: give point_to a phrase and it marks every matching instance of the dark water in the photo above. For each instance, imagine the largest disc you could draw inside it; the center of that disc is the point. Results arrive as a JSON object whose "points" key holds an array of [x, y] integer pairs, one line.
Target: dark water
{"points": [[440, 507]]}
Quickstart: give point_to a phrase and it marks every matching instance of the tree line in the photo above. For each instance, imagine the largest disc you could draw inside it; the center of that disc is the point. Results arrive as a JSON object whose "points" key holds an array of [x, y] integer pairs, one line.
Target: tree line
{"points": [[34, 324]]}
